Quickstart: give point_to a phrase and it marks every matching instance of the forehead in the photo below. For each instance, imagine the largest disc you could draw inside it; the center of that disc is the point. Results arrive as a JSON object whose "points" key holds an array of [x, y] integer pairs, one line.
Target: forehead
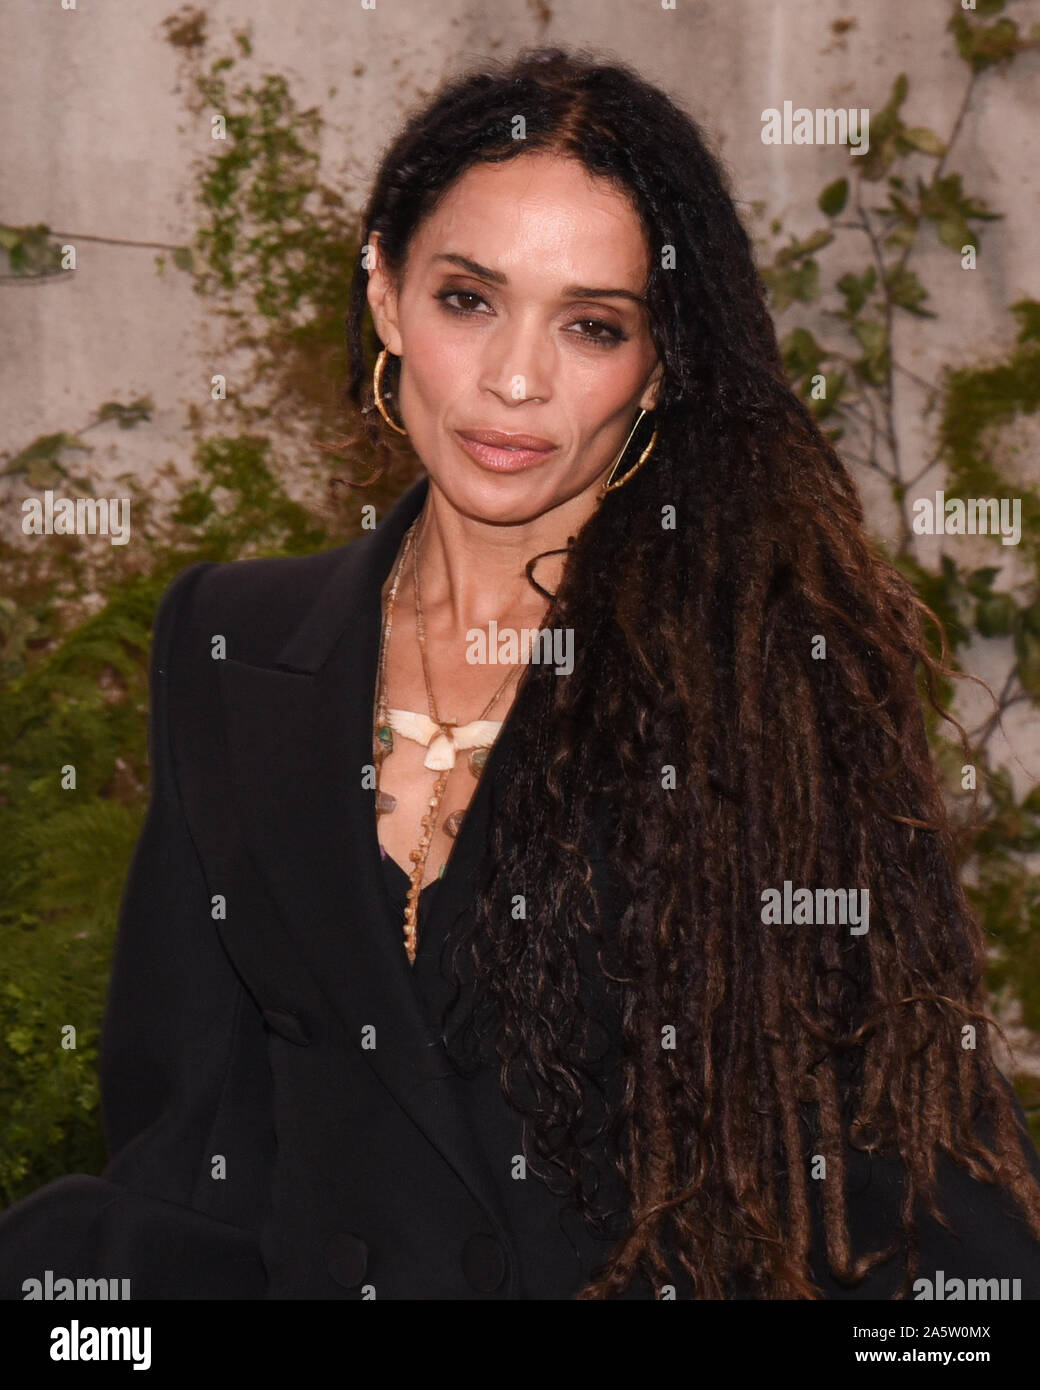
{"points": [[538, 216]]}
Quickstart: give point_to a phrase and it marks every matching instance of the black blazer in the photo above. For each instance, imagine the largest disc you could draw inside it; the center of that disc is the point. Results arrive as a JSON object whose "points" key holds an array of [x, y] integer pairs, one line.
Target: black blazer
{"points": [[259, 1148]]}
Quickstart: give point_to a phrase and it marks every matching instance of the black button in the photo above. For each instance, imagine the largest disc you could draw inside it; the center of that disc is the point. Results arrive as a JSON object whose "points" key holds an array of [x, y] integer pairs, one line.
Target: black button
{"points": [[347, 1259], [287, 1025], [484, 1263]]}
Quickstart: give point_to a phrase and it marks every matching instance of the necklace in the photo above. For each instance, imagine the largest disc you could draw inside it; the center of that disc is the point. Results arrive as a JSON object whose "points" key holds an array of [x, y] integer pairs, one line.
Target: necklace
{"points": [[441, 737]]}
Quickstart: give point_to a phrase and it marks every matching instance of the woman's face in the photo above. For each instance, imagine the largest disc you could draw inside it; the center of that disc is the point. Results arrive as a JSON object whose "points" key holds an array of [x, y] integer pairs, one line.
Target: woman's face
{"points": [[520, 312]]}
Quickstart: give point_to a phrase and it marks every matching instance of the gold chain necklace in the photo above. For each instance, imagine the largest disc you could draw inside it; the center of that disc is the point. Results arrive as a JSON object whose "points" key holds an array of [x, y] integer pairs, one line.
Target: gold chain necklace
{"points": [[442, 737]]}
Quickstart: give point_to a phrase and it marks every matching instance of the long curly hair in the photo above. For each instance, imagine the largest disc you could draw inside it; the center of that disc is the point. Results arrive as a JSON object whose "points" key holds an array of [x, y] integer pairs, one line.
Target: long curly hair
{"points": [[733, 757]]}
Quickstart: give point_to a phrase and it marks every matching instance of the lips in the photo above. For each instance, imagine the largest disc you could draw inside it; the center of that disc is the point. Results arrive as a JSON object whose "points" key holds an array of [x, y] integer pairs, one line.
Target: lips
{"points": [[501, 440], [505, 452]]}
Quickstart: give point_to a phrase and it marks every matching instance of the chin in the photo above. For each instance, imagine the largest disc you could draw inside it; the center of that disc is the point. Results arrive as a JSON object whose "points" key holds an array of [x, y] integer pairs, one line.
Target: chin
{"points": [[499, 500]]}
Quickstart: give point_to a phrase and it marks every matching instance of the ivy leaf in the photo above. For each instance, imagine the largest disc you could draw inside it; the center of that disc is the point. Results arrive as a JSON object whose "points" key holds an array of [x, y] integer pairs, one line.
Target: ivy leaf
{"points": [[945, 196], [980, 581], [796, 250], [127, 415], [44, 473], [906, 290], [902, 236], [823, 236], [30, 251], [943, 593], [802, 353], [1027, 311], [953, 232], [856, 289], [886, 129], [834, 197], [984, 46], [1000, 789], [1031, 619], [1027, 649], [20, 1041], [995, 616], [790, 285], [925, 140], [900, 205], [874, 365], [44, 450]]}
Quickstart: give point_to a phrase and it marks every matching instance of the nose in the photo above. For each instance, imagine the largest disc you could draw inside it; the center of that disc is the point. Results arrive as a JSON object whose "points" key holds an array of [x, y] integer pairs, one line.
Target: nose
{"points": [[519, 361]]}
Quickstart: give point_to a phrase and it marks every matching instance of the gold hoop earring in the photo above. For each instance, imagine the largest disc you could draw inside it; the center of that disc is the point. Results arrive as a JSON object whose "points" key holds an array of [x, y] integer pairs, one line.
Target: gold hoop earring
{"points": [[377, 377], [609, 485]]}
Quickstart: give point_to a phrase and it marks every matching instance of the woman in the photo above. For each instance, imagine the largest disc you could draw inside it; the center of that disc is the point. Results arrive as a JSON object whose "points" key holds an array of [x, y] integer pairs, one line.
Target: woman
{"points": [[440, 976]]}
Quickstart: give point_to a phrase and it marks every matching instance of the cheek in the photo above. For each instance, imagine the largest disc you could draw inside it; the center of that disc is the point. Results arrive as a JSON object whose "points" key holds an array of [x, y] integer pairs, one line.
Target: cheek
{"points": [[604, 387], [598, 403], [441, 365]]}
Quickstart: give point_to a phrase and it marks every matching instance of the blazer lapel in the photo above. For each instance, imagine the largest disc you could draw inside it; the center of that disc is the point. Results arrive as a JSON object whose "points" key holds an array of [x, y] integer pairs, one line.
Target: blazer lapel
{"points": [[299, 736]]}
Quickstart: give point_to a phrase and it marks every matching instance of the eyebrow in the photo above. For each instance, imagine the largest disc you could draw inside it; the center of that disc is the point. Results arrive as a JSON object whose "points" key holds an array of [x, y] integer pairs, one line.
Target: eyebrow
{"points": [[570, 291]]}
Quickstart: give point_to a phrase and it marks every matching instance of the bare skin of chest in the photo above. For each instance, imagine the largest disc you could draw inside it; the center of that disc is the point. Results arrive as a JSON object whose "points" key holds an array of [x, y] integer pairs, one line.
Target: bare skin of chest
{"points": [[461, 692]]}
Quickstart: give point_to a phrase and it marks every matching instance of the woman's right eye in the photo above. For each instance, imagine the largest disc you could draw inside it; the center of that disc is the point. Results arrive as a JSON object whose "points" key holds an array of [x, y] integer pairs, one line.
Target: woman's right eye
{"points": [[445, 295]]}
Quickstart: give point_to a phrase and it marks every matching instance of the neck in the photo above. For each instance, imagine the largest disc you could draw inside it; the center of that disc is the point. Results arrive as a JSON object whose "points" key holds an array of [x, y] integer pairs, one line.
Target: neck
{"points": [[472, 571]]}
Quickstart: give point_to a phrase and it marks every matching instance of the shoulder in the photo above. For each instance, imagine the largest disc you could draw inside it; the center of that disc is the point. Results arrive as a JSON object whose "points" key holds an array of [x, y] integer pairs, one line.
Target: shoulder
{"points": [[254, 605]]}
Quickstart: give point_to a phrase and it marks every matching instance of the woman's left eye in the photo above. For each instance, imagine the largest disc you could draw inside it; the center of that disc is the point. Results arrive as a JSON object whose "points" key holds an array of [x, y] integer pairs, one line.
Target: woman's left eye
{"points": [[612, 334], [607, 336]]}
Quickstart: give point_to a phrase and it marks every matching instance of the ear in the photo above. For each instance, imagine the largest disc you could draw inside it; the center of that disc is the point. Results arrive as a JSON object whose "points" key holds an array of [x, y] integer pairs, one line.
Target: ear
{"points": [[648, 400], [382, 300]]}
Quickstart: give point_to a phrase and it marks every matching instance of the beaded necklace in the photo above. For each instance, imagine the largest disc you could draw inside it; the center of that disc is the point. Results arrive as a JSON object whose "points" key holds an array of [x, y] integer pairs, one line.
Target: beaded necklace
{"points": [[442, 737]]}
